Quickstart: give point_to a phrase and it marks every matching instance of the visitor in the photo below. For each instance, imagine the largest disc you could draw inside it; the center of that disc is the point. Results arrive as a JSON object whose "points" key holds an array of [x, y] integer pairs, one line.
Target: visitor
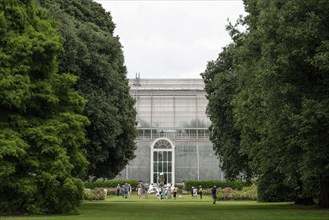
{"points": [[192, 190], [200, 191], [214, 194], [118, 189], [175, 191], [159, 190], [125, 190], [129, 190], [195, 192], [163, 192], [139, 190], [146, 191], [169, 191]]}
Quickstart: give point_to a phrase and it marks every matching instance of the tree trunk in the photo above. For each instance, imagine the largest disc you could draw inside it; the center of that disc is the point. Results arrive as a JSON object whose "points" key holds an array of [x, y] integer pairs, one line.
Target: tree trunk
{"points": [[324, 192]]}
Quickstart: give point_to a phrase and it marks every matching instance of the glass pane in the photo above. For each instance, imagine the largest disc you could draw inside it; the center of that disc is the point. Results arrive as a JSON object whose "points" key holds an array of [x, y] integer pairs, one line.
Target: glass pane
{"points": [[169, 156], [169, 166], [155, 178], [160, 156], [155, 156], [165, 164], [155, 167], [169, 177], [160, 167], [165, 158], [166, 178]]}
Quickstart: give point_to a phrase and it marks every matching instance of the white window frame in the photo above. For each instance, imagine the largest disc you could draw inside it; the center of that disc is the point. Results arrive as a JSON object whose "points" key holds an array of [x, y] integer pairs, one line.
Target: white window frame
{"points": [[172, 150]]}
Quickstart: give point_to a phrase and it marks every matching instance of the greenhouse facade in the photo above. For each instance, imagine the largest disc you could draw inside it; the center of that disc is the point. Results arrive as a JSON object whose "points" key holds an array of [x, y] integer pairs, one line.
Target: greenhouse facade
{"points": [[173, 138]]}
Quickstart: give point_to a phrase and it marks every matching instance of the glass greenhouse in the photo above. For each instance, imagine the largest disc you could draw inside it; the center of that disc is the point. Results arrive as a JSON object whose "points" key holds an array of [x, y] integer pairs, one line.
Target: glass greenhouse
{"points": [[173, 142]]}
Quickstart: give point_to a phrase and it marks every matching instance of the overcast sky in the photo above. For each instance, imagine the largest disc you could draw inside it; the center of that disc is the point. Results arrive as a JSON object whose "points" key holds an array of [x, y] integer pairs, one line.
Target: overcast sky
{"points": [[171, 39]]}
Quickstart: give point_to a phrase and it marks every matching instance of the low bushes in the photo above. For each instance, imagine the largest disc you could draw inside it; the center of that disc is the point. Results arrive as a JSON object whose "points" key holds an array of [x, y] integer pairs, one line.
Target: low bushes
{"points": [[94, 190], [226, 190], [246, 193], [94, 194], [207, 184], [109, 183]]}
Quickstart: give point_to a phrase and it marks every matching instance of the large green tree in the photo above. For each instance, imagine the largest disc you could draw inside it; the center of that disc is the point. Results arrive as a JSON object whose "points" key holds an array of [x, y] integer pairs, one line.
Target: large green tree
{"points": [[221, 85], [281, 106], [41, 122], [92, 52]]}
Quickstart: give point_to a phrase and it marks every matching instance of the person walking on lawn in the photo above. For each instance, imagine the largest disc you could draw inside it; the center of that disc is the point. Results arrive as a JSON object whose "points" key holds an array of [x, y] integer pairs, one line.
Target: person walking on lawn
{"points": [[214, 194], [200, 191]]}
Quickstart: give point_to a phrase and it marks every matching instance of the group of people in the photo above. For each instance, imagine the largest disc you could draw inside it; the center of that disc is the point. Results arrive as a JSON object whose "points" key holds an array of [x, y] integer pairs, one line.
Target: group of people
{"points": [[165, 191], [162, 191], [195, 192], [126, 190]]}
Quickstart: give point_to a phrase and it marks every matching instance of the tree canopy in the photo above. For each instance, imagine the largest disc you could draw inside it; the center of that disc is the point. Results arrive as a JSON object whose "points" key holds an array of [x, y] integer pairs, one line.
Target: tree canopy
{"points": [[280, 108], [42, 126], [93, 53], [221, 85], [58, 128]]}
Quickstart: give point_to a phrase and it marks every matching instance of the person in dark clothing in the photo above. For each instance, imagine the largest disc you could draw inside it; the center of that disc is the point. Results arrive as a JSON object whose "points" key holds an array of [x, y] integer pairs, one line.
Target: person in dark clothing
{"points": [[175, 191], [214, 194], [118, 189], [125, 190], [200, 191]]}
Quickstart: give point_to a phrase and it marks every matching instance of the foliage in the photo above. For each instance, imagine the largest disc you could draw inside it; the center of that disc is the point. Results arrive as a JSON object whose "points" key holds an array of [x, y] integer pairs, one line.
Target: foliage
{"points": [[247, 193], [41, 123], [222, 84], [280, 105], [195, 123], [218, 183], [281, 80], [271, 188], [94, 194], [109, 183], [93, 53]]}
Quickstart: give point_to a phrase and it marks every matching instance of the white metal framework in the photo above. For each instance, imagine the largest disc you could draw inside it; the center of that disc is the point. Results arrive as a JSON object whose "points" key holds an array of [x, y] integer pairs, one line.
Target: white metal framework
{"points": [[172, 121]]}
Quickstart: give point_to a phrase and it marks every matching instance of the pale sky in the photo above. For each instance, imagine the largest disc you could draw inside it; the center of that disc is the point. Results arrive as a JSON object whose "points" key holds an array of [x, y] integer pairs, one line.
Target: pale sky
{"points": [[171, 39]]}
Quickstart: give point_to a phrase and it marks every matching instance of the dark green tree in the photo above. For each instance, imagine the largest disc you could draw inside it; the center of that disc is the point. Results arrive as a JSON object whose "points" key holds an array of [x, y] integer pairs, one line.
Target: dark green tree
{"points": [[280, 108], [93, 53], [280, 104], [41, 122], [221, 85]]}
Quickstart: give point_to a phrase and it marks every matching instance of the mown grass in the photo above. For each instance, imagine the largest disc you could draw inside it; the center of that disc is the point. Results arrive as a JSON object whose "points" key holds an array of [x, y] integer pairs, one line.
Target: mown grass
{"points": [[185, 208]]}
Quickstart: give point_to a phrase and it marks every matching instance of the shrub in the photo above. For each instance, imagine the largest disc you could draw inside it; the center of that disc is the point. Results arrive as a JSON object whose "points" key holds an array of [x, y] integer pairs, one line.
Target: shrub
{"points": [[271, 188], [247, 193], [94, 194], [207, 184], [109, 183], [180, 186]]}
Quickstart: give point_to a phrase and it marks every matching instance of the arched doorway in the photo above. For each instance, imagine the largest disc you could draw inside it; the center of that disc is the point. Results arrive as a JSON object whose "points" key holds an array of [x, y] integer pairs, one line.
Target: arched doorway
{"points": [[162, 161]]}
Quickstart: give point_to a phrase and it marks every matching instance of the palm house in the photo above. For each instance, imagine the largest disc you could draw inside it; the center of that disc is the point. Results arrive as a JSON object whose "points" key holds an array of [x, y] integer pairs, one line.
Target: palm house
{"points": [[173, 138]]}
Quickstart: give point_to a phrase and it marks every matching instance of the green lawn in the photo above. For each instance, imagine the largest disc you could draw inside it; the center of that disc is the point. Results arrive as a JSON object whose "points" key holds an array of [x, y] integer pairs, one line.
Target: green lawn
{"points": [[183, 208]]}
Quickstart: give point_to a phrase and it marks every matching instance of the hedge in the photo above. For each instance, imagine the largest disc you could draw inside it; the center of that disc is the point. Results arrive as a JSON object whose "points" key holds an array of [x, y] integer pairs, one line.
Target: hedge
{"points": [[109, 183], [206, 184], [247, 193], [94, 194]]}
